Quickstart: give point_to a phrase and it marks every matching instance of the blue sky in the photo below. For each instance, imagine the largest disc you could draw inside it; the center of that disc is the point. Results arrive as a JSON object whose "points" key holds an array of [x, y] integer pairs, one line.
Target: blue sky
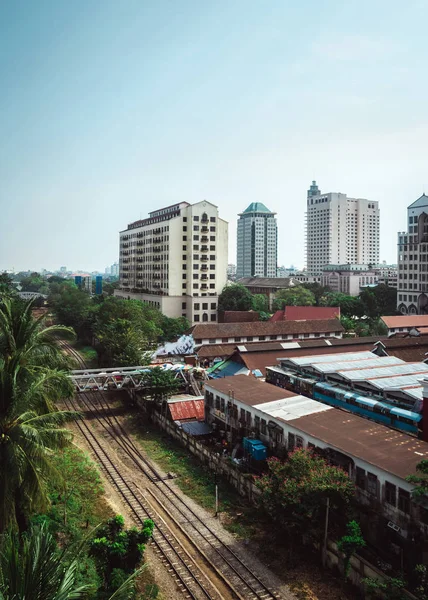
{"points": [[111, 109]]}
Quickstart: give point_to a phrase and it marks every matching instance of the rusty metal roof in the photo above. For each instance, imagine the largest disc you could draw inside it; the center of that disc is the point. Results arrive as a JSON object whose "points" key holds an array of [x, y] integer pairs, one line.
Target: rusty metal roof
{"points": [[187, 410]]}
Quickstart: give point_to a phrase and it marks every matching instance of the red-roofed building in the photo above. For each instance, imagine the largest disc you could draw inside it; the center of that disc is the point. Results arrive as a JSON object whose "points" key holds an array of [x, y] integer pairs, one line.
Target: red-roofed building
{"points": [[304, 313]]}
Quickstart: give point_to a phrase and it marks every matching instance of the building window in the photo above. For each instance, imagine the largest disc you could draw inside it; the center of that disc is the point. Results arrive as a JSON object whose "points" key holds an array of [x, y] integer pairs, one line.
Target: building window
{"points": [[184, 227], [196, 306], [224, 340], [263, 426], [212, 286], [196, 318], [372, 484], [237, 339], [184, 286], [291, 441], [195, 286], [404, 500], [213, 305], [184, 219], [212, 257], [196, 238], [360, 478], [195, 227], [390, 494], [196, 218], [212, 219], [213, 317], [212, 275], [183, 305], [184, 249], [262, 338], [196, 266], [184, 238]]}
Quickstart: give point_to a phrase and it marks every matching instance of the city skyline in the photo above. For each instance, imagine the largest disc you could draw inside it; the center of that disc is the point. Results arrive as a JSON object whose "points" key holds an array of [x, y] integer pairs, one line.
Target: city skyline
{"points": [[110, 111]]}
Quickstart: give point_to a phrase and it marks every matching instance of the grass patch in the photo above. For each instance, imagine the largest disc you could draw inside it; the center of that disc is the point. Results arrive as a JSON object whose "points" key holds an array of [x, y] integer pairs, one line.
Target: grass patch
{"points": [[89, 355], [195, 479]]}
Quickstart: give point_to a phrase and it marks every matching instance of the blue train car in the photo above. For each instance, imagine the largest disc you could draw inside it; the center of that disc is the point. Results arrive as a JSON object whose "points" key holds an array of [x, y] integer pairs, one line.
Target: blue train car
{"points": [[387, 414]]}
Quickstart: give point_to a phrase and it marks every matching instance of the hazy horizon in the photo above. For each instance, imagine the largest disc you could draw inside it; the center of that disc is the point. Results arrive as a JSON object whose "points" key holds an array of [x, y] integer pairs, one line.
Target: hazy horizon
{"points": [[111, 110]]}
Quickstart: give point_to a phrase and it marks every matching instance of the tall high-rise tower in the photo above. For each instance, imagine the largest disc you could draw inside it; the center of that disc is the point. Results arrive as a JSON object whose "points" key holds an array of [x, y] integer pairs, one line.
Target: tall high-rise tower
{"points": [[412, 297], [256, 242], [340, 230]]}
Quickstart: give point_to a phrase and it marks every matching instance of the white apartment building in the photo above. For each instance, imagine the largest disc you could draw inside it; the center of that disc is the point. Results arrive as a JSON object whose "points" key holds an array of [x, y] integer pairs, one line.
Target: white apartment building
{"points": [[340, 230], [412, 290], [176, 260], [257, 242]]}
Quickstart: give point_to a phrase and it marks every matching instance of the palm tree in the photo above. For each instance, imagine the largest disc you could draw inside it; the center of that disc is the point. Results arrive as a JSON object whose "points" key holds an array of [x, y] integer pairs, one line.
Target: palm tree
{"points": [[27, 442], [29, 352], [33, 568]]}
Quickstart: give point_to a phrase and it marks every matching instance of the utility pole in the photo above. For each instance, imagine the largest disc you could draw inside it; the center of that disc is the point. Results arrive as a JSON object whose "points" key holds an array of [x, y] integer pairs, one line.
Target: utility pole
{"points": [[324, 548], [216, 495]]}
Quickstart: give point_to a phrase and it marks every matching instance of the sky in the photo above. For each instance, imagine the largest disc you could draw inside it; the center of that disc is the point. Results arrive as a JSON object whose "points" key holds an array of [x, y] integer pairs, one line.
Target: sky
{"points": [[110, 109]]}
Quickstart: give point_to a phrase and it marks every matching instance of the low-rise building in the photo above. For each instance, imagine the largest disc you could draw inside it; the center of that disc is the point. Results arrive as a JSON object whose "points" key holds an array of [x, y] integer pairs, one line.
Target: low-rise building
{"points": [[417, 324], [376, 458], [226, 333], [349, 279], [268, 286]]}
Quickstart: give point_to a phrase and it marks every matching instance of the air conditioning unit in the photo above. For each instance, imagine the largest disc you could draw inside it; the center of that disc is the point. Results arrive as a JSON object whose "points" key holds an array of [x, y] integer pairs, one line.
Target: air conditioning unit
{"points": [[394, 526]]}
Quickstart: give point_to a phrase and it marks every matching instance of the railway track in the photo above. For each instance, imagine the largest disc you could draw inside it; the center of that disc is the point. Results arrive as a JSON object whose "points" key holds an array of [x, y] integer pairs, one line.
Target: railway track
{"points": [[189, 577], [238, 576]]}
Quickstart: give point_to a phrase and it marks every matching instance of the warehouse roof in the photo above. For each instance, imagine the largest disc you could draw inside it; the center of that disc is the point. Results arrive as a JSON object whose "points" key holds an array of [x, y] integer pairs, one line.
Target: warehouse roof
{"points": [[229, 330], [248, 390], [297, 313], [392, 451]]}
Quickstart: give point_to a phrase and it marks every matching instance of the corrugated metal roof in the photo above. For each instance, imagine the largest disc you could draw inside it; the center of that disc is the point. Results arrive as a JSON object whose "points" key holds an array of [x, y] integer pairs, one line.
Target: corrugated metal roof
{"points": [[375, 373], [187, 409], [303, 361], [389, 383], [293, 408], [346, 365]]}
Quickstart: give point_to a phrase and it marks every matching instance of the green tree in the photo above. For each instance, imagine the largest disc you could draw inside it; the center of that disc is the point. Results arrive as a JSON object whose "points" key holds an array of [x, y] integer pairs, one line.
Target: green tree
{"points": [[390, 589], [27, 441], [318, 290], [6, 286], [420, 479], [119, 551], [379, 301], [33, 567], [30, 382], [350, 306], [260, 303], [72, 307], [159, 383], [293, 296], [235, 297], [121, 344], [172, 329], [29, 350], [350, 543], [294, 492]]}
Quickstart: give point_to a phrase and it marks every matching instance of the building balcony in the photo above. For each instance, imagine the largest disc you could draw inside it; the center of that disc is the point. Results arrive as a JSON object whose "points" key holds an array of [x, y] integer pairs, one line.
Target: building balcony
{"points": [[204, 238], [204, 257], [204, 268], [204, 248], [204, 229]]}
